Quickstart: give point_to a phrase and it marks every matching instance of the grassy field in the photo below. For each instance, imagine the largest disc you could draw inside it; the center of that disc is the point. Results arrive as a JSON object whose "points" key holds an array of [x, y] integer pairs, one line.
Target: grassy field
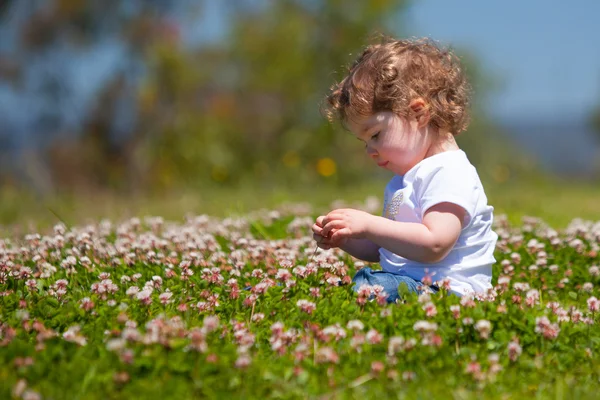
{"points": [[556, 202], [239, 308]]}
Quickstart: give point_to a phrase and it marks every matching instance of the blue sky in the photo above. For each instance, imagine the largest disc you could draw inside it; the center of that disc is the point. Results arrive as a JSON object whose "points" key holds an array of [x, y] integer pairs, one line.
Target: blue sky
{"points": [[545, 53]]}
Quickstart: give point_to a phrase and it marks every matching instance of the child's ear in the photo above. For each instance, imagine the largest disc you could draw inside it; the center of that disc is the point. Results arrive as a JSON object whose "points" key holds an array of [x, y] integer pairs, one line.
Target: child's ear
{"points": [[420, 110]]}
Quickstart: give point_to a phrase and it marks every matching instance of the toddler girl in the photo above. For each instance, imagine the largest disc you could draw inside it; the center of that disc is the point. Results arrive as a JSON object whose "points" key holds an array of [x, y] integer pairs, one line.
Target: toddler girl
{"points": [[407, 100]]}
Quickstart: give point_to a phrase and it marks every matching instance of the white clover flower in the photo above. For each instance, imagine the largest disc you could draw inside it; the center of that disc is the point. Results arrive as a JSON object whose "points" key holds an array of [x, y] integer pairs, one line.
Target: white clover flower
{"points": [[425, 326], [484, 327], [395, 345], [355, 325], [144, 295], [165, 298]]}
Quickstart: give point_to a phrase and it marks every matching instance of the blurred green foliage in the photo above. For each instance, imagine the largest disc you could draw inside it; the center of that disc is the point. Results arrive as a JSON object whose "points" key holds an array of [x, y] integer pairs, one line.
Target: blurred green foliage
{"points": [[242, 110], [595, 120], [235, 125], [249, 108]]}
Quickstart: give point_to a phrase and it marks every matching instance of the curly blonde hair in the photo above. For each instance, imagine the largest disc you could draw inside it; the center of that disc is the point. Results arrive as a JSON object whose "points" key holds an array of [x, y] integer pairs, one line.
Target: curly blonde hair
{"points": [[389, 75]]}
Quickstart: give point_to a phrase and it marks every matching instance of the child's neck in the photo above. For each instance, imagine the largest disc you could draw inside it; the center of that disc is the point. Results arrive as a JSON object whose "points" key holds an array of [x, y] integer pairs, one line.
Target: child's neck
{"points": [[444, 141]]}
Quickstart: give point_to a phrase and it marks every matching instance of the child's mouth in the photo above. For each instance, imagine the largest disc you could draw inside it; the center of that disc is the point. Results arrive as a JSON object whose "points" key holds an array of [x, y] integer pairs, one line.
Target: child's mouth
{"points": [[383, 164]]}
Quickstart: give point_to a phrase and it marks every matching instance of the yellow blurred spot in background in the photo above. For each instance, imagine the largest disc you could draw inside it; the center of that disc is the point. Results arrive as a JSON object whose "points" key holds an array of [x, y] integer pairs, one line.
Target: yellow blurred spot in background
{"points": [[291, 159], [326, 167]]}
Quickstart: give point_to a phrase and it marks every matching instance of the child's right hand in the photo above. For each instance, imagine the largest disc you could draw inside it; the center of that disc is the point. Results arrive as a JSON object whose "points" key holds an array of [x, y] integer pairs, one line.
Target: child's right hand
{"points": [[323, 242]]}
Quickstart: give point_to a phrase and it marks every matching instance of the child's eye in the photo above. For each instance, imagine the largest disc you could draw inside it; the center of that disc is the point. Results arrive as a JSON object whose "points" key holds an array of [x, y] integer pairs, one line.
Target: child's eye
{"points": [[375, 136]]}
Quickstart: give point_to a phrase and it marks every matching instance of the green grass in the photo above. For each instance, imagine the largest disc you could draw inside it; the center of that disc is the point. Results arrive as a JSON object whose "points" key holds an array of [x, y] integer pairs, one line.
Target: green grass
{"points": [[142, 367], [556, 202]]}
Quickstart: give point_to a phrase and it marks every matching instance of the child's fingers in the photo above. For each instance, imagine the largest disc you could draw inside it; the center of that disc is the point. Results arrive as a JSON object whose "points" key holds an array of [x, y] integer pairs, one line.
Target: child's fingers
{"points": [[320, 238], [317, 229], [329, 228], [319, 221], [340, 234], [332, 216], [323, 242]]}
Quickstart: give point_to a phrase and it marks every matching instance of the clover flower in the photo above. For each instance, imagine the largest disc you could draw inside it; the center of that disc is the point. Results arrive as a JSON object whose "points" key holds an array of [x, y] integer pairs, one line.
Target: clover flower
{"points": [[430, 309], [326, 355], [355, 325], [576, 315], [283, 275], [86, 304], [593, 304], [31, 284], [521, 286], [145, 296], [165, 298], [455, 309], [532, 297], [300, 271], [424, 298], [377, 367], [211, 323], [514, 350], [467, 301], [395, 345], [335, 331], [306, 306], [546, 328], [131, 334], [258, 317], [197, 338], [483, 327], [425, 326], [72, 335]]}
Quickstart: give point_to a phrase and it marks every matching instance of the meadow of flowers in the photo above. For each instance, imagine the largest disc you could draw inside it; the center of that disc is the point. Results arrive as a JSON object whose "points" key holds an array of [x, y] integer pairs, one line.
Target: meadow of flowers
{"points": [[245, 307]]}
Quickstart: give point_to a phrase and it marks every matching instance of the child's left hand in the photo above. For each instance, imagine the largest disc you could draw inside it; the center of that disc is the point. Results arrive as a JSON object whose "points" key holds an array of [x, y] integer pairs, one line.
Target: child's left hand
{"points": [[346, 223]]}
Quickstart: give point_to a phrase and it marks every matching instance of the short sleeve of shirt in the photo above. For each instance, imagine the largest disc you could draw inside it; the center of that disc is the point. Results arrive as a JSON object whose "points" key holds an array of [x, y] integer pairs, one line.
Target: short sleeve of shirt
{"points": [[454, 184]]}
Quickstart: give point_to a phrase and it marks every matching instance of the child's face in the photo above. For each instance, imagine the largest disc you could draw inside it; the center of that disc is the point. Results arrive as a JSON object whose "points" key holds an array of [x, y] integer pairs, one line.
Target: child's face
{"points": [[393, 143]]}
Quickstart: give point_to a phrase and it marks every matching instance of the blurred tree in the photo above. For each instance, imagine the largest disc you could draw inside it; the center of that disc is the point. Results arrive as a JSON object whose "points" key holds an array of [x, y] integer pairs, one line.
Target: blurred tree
{"points": [[249, 107], [595, 120], [245, 108], [42, 40]]}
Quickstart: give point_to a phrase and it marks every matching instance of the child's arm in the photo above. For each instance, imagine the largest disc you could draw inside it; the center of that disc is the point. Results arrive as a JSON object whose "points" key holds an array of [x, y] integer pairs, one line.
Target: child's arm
{"points": [[426, 242], [363, 249]]}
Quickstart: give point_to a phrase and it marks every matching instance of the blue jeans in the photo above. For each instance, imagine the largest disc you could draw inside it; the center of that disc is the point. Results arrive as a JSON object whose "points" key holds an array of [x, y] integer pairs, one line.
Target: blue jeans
{"points": [[389, 281]]}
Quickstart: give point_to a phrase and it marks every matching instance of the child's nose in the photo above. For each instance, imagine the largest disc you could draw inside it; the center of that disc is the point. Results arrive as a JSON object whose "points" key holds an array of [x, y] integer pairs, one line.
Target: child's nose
{"points": [[371, 152]]}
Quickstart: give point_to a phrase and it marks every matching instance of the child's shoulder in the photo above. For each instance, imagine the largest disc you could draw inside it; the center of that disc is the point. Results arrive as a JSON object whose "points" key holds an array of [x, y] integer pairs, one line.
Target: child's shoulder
{"points": [[446, 164], [450, 172]]}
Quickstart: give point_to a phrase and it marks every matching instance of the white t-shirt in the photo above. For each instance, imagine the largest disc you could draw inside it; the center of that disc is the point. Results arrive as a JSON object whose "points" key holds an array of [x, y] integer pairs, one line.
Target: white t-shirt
{"points": [[445, 177]]}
